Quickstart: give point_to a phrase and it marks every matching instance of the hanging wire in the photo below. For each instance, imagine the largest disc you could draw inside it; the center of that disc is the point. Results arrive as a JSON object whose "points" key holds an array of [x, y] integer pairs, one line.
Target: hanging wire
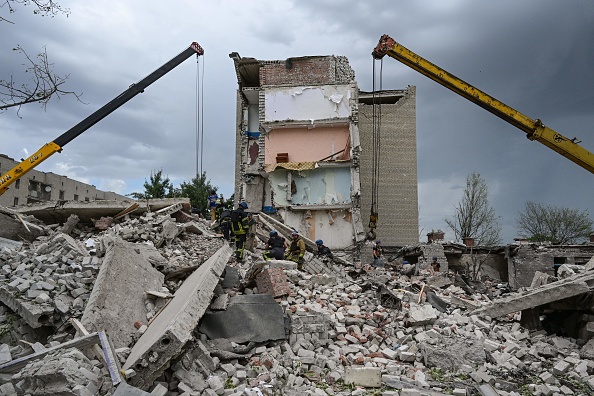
{"points": [[202, 117], [376, 138], [198, 145], [199, 116]]}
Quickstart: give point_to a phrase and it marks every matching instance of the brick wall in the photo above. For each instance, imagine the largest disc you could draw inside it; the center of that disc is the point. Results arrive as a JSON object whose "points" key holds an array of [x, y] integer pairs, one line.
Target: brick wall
{"points": [[273, 281], [398, 222], [315, 70], [530, 258]]}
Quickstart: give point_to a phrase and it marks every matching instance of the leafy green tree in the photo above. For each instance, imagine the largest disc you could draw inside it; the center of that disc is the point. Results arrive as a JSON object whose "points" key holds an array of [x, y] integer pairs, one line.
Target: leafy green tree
{"points": [[198, 191], [474, 217], [158, 187], [560, 226]]}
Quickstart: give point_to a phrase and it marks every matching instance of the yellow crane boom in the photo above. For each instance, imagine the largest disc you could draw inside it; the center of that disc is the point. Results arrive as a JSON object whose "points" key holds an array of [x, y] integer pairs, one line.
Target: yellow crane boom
{"points": [[56, 146], [535, 129]]}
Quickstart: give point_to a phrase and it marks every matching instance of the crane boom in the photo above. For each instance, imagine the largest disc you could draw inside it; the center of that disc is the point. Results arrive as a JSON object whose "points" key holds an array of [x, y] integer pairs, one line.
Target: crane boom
{"points": [[56, 146], [534, 129]]}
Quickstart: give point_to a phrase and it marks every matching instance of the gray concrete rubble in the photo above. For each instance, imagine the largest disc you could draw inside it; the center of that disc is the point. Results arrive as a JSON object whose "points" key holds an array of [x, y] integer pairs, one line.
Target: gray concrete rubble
{"points": [[255, 317], [116, 303], [173, 328], [20, 227], [185, 318]]}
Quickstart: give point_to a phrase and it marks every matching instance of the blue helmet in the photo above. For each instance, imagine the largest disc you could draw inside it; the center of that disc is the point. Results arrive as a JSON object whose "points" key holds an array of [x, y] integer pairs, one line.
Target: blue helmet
{"points": [[273, 233], [243, 205], [319, 242]]}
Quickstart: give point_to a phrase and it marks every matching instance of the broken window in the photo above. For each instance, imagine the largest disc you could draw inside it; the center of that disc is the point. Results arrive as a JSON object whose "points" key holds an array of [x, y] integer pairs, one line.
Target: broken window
{"points": [[76, 197], [16, 201]]}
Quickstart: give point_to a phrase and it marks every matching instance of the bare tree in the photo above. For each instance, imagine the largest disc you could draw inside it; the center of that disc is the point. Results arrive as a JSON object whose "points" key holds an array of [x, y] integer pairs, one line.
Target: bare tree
{"points": [[474, 217], [40, 83], [474, 264], [557, 225], [40, 7]]}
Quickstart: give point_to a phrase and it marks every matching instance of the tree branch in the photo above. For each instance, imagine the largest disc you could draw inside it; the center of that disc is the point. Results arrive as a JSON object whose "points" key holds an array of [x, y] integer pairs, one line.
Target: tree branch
{"points": [[43, 84]]}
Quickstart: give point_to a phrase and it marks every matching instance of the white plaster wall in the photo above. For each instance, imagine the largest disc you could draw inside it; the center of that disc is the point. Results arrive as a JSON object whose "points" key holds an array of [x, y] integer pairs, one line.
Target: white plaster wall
{"points": [[314, 187], [253, 121], [334, 227], [307, 103]]}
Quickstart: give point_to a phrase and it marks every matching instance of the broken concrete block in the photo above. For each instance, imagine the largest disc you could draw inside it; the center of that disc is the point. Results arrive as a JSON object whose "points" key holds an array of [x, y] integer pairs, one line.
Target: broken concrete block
{"points": [[420, 315], [255, 317], [172, 329], [124, 389], [364, 376], [116, 303], [273, 281], [5, 355], [36, 315], [453, 353]]}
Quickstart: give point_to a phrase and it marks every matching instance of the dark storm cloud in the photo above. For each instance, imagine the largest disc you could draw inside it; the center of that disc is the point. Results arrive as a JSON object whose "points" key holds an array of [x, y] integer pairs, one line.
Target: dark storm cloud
{"points": [[534, 55]]}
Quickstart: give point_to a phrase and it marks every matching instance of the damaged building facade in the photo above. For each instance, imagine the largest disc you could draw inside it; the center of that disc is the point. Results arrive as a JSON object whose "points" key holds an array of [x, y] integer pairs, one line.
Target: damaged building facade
{"points": [[37, 186], [304, 152]]}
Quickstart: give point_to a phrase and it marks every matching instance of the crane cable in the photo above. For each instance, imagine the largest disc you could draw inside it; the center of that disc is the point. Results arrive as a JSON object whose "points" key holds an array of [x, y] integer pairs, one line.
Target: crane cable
{"points": [[376, 139], [199, 116]]}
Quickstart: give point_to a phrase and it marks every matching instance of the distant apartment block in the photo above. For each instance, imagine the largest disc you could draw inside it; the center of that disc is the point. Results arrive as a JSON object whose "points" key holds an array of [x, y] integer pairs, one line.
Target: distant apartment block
{"points": [[38, 186], [303, 150]]}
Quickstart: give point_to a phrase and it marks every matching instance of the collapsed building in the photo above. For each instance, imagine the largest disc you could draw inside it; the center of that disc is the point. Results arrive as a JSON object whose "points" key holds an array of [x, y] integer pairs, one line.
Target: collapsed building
{"points": [[304, 149], [196, 322], [118, 298]]}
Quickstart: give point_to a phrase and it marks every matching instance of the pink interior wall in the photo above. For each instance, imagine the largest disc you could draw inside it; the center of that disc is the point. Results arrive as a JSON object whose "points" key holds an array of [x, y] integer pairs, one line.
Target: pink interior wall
{"points": [[307, 144]]}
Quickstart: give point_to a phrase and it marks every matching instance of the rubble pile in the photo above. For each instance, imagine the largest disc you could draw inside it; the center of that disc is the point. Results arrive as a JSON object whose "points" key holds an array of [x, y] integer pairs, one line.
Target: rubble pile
{"points": [[183, 318]]}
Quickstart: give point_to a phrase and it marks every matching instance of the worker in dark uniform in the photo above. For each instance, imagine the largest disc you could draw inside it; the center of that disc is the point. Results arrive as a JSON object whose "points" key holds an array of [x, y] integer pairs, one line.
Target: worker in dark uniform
{"points": [[275, 247], [220, 206], [225, 223], [296, 251], [378, 252], [323, 251], [239, 226]]}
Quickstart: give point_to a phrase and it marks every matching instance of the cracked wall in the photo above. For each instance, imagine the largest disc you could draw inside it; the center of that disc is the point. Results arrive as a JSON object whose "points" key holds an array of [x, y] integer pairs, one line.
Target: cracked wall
{"points": [[301, 158]]}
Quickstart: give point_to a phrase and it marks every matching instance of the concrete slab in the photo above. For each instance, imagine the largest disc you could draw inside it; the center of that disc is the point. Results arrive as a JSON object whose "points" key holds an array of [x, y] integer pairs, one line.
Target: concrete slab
{"points": [[172, 329], [253, 317], [36, 315], [117, 302], [124, 389], [57, 212], [568, 287]]}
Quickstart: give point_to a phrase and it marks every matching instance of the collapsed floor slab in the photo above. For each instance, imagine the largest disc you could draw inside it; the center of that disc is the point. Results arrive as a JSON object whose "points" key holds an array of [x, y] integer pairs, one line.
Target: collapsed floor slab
{"points": [[173, 327], [118, 298], [565, 288], [254, 317]]}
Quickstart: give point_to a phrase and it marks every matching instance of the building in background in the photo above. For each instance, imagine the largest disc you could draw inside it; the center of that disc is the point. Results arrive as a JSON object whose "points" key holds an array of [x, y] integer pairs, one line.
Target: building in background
{"points": [[36, 186], [300, 154], [398, 209]]}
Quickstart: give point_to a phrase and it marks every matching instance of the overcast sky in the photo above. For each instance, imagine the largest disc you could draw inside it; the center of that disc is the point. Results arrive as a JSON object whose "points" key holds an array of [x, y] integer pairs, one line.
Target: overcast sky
{"points": [[534, 55]]}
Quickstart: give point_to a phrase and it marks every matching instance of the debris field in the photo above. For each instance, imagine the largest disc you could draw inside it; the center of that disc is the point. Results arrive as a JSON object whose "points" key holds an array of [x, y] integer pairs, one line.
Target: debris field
{"points": [[156, 304]]}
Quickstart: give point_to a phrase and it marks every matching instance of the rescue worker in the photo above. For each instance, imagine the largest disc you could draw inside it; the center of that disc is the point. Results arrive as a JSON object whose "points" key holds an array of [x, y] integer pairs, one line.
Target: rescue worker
{"points": [[211, 204], [250, 243], [378, 252], [220, 206], [323, 251], [239, 228], [275, 247], [435, 266], [225, 223], [296, 250]]}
